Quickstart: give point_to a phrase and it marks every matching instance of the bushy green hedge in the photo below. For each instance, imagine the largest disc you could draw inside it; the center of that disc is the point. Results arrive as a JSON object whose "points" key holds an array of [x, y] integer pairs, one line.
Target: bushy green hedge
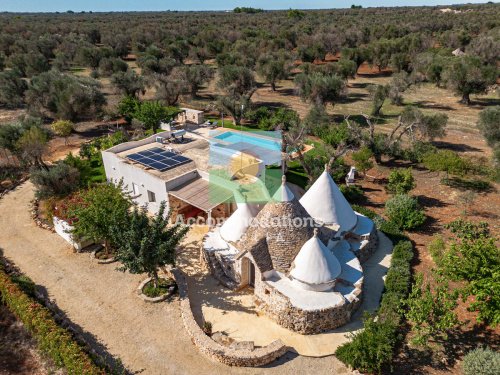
{"points": [[373, 348], [55, 341]]}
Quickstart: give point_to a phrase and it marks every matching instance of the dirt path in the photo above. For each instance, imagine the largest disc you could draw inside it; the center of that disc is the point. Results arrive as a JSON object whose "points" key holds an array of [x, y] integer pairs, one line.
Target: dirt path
{"points": [[101, 300]]}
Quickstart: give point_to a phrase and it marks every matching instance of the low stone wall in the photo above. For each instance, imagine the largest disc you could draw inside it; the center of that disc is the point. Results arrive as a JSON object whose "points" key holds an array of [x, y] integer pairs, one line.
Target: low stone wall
{"points": [[216, 351], [279, 308], [367, 250]]}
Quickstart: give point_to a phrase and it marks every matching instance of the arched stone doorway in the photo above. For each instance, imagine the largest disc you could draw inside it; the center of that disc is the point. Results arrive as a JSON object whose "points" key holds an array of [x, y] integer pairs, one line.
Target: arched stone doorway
{"points": [[247, 272]]}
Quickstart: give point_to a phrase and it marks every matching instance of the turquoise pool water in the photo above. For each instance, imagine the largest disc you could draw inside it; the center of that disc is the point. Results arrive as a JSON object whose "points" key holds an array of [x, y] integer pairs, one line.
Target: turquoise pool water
{"points": [[232, 137]]}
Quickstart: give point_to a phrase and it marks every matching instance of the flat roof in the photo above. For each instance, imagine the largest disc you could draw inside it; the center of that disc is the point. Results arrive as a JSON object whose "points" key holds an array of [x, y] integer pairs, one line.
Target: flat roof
{"points": [[191, 110], [196, 150], [201, 194]]}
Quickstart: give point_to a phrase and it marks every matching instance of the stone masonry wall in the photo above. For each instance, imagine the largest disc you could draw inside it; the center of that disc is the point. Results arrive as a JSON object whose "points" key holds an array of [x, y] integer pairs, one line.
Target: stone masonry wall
{"points": [[216, 351], [366, 251], [279, 308]]}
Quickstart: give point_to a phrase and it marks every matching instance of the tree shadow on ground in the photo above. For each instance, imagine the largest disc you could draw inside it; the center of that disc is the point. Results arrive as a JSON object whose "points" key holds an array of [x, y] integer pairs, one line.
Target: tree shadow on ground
{"points": [[486, 102], [458, 147], [271, 104], [98, 131], [357, 85], [425, 104], [383, 73], [429, 202], [462, 184], [352, 98], [286, 91]]}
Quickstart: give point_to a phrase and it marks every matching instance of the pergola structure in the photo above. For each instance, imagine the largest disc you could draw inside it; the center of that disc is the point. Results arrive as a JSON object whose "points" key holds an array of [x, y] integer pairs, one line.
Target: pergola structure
{"points": [[202, 194]]}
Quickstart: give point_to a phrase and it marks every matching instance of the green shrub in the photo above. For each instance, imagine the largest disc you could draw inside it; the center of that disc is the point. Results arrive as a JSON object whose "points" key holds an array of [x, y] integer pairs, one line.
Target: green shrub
{"points": [[401, 181], [481, 361], [404, 211], [370, 349], [352, 193], [431, 311], [446, 161], [468, 230], [402, 251], [53, 340], [437, 247], [58, 181], [398, 279], [391, 230]]}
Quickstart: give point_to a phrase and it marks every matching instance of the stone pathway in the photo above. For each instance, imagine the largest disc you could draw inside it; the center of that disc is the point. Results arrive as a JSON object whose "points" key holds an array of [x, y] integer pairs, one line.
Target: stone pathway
{"points": [[234, 312], [149, 339]]}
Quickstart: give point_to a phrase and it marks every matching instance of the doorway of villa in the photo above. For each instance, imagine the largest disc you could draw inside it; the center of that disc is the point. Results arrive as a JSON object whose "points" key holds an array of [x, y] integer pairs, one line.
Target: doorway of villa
{"points": [[248, 272]]}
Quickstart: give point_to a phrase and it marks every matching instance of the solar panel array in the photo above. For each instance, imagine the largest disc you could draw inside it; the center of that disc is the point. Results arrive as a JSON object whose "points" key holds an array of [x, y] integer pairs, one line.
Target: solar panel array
{"points": [[159, 159]]}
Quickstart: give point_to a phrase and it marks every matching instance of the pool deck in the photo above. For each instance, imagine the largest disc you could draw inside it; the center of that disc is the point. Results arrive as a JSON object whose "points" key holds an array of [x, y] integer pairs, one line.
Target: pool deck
{"points": [[207, 134]]}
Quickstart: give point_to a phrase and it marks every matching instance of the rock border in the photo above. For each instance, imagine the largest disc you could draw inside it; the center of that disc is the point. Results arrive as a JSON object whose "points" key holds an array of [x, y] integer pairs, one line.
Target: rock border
{"points": [[34, 206], [145, 298], [101, 261], [215, 351]]}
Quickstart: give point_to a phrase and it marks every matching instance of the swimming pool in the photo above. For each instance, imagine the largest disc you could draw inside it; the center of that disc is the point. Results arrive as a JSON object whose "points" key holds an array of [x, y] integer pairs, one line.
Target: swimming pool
{"points": [[237, 137]]}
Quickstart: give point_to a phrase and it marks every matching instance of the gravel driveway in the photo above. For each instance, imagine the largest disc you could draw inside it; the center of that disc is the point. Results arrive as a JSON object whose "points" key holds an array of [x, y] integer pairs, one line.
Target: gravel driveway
{"points": [[148, 338]]}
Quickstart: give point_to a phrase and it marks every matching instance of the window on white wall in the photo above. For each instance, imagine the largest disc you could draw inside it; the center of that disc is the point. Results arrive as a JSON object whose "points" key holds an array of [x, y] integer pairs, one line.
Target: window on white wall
{"points": [[135, 188], [151, 196]]}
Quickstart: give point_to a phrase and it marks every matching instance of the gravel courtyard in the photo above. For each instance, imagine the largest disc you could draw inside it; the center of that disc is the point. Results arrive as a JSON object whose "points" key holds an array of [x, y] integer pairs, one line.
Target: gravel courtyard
{"points": [[149, 339]]}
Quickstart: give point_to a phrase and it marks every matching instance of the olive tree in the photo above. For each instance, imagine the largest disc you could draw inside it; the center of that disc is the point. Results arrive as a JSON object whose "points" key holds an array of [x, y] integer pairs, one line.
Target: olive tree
{"points": [[57, 95], [468, 75], [319, 88], [236, 80], [128, 82], [272, 68]]}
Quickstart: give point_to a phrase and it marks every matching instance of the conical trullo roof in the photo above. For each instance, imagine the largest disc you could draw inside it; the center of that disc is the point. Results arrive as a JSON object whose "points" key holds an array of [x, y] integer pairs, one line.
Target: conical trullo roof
{"points": [[326, 203], [283, 194], [238, 223], [315, 266], [280, 230]]}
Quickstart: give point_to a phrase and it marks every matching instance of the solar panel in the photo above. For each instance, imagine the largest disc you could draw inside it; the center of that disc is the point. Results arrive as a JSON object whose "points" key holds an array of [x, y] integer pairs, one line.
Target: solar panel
{"points": [[166, 154], [180, 158], [146, 153], [135, 157], [159, 159]]}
